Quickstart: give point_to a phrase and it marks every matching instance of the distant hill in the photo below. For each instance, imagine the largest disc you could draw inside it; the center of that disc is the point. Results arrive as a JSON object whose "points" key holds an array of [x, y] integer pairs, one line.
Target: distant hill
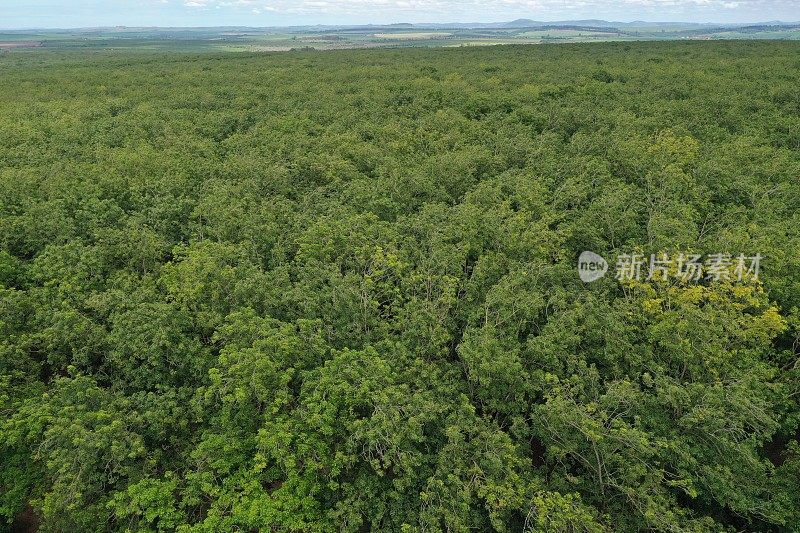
{"points": [[529, 23], [514, 24]]}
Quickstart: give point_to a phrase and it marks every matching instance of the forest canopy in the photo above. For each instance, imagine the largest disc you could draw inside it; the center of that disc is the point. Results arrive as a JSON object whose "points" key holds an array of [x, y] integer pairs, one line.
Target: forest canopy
{"points": [[337, 291]]}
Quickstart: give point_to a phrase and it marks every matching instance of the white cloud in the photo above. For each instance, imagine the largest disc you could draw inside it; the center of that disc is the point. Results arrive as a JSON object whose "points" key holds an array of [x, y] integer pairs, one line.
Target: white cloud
{"points": [[84, 13]]}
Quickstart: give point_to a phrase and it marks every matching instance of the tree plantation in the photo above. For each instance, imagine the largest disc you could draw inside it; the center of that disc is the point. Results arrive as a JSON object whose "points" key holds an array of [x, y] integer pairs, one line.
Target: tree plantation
{"points": [[339, 291]]}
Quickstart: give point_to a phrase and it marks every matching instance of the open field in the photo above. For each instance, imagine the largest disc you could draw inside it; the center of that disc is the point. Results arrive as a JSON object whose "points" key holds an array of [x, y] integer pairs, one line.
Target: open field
{"points": [[19, 44], [413, 35], [283, 39]]}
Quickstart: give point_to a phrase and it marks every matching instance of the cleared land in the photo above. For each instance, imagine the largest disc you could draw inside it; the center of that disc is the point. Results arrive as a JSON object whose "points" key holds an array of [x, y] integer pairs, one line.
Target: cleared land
{"points": [[331, 38], [20, 44], [413, 35]]}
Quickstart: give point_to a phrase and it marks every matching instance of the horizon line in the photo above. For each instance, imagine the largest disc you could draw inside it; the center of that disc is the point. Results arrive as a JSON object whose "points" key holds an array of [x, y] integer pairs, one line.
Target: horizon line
{"points": [[369, 24]]}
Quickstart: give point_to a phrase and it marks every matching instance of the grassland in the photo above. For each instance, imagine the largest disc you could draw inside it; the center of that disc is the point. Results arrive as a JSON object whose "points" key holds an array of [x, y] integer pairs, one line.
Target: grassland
{"points": [[328, 38]]}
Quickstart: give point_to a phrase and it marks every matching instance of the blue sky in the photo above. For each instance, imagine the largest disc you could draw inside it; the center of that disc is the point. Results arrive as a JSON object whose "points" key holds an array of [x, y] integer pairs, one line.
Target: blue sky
{"points": [[90, 13]]}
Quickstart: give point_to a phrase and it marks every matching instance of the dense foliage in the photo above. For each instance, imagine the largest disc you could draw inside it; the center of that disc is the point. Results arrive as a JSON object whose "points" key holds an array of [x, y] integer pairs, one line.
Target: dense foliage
{"points": [[337, 291]]}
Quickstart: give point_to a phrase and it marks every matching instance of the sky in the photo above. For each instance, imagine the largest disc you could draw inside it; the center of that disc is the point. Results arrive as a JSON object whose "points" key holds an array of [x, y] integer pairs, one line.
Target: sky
{"points": [[24, 14]]}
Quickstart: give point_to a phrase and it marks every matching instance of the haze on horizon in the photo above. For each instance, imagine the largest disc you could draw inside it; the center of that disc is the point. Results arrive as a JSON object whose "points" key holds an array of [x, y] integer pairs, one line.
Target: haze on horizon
{"points": [[26, 14]]}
